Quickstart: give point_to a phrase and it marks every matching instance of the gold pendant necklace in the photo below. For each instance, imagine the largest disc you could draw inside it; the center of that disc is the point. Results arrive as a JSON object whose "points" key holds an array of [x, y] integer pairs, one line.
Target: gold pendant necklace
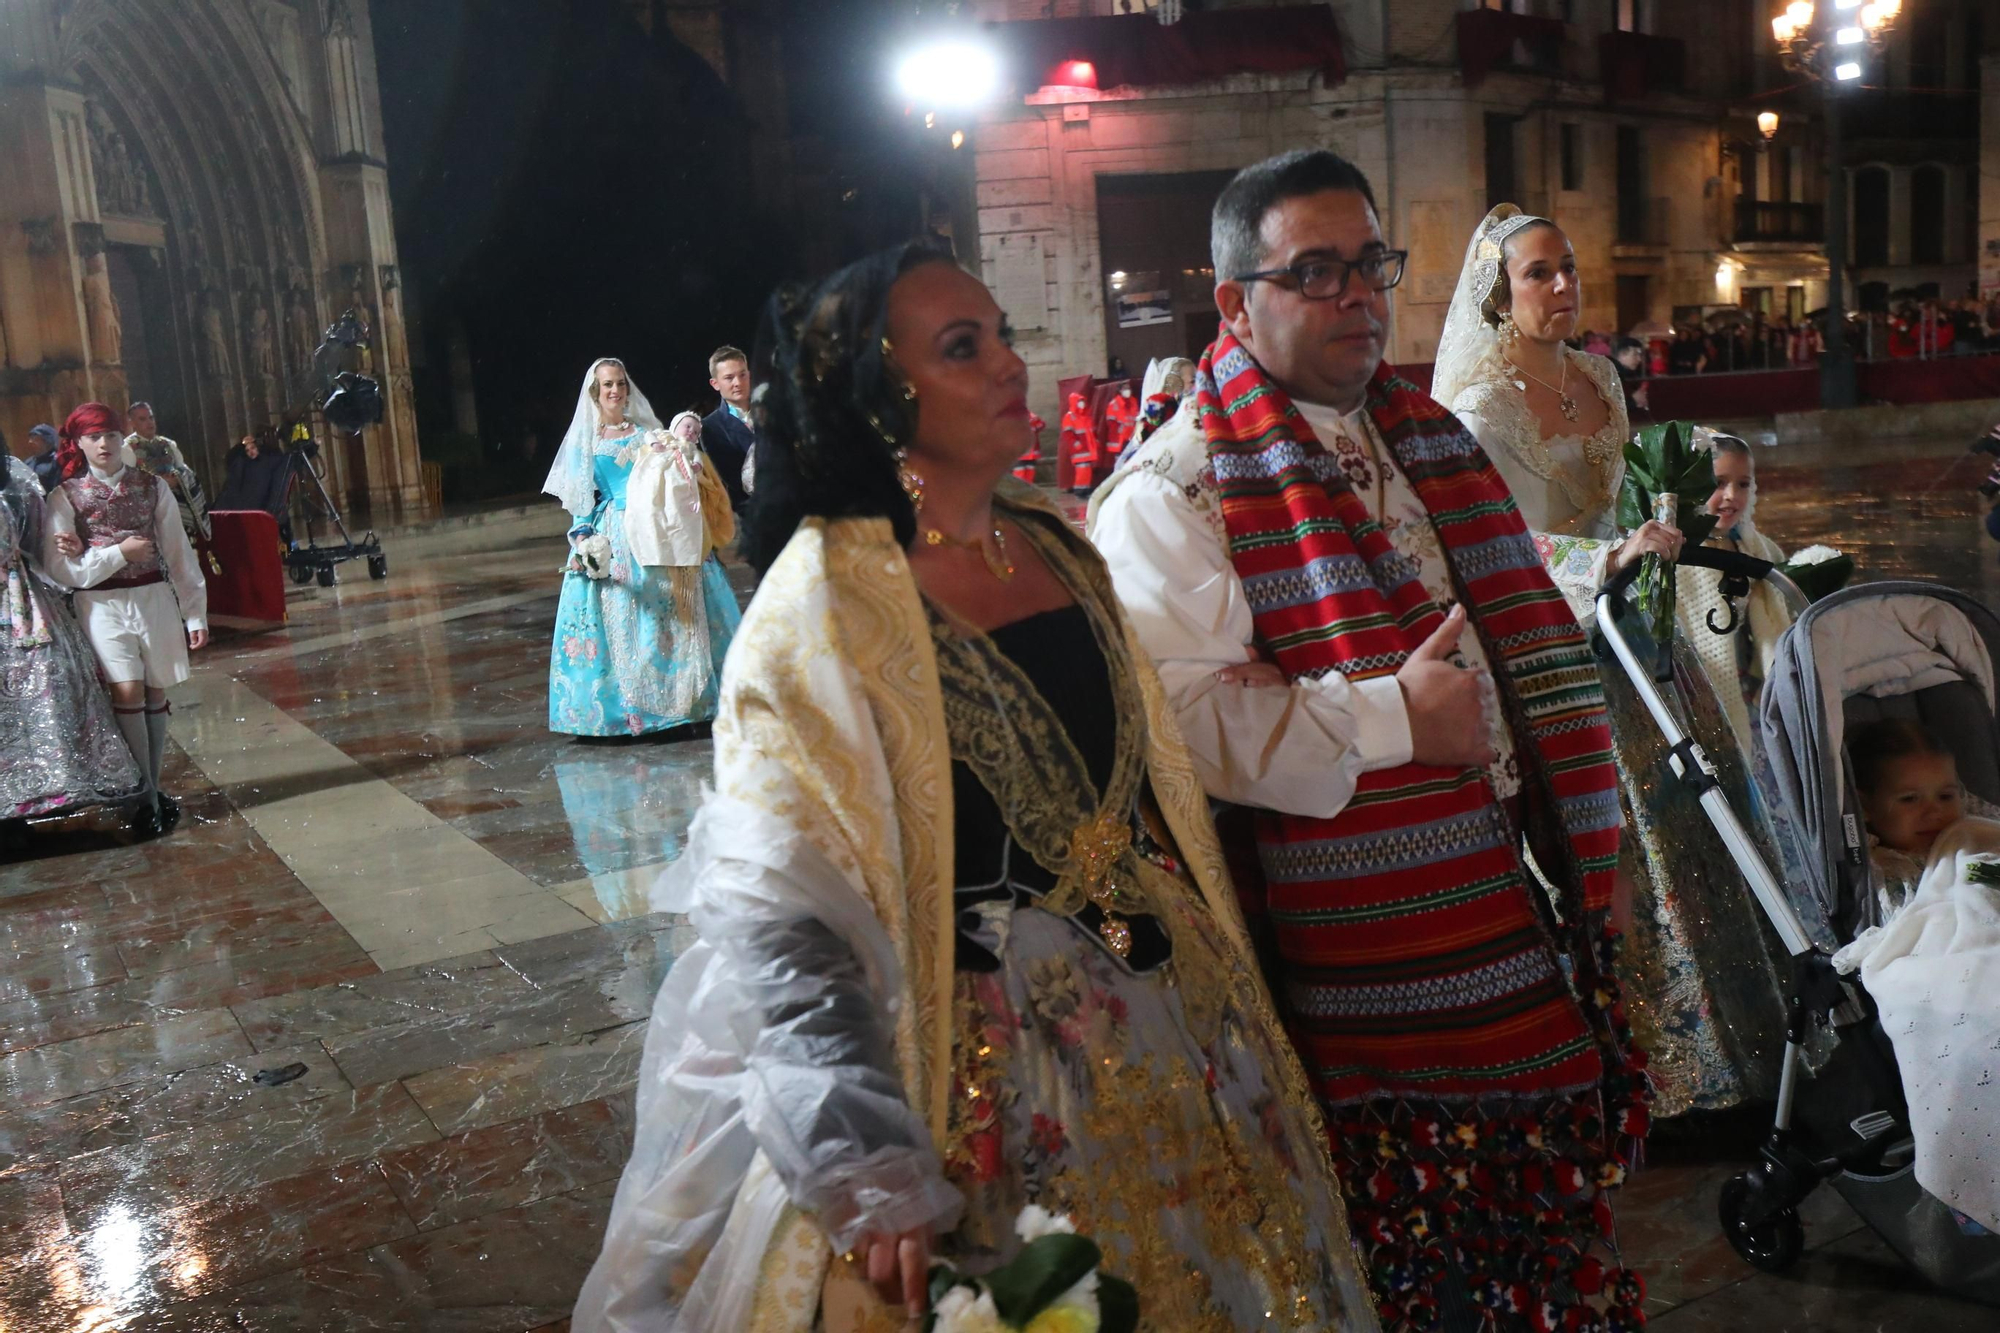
{"points": [[995, 555], [1564, 403]]}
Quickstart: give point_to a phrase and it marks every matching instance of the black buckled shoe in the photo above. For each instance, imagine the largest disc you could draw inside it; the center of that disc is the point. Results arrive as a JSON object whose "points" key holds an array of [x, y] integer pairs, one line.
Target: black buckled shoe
{"points": [[170, 812], [145, 820]]}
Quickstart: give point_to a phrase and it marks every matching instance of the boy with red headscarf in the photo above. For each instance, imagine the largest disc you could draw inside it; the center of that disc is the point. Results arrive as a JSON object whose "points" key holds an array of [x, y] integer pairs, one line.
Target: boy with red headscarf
{"points": [[114, 534]]}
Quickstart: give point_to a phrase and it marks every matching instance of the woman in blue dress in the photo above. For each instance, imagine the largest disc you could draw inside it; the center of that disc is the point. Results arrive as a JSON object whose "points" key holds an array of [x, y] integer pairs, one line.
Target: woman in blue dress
{"points": [[638, 646]]}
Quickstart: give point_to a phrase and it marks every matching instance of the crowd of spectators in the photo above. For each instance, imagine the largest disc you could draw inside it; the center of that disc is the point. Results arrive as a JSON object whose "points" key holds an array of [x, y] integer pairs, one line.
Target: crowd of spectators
{"points": [[1909, 327]]}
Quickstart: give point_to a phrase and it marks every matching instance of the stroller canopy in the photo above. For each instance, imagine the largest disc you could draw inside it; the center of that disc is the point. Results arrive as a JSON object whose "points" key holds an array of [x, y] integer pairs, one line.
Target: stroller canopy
{"points": [[1897, 649]]}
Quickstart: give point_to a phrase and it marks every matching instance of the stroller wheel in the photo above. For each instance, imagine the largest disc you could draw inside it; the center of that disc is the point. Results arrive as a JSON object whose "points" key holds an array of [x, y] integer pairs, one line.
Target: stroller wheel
{"points": [[326, 576], [302, 574], [1773, 1244], [378, 566]]}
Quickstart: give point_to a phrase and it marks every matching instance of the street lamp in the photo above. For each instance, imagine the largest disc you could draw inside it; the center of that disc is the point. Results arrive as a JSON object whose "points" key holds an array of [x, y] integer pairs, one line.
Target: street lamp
{"points": [[952, 74], [1830, 43], [944, 79], [1767, 125]]}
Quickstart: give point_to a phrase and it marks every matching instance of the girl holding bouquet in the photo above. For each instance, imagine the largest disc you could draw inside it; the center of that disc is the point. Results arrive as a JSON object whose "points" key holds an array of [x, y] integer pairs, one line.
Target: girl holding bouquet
{"points": [[646, 612], [1701, 984]]}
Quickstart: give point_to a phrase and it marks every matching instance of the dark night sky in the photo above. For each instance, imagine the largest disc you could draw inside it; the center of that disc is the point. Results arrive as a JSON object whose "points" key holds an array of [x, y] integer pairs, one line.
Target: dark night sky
{"points": [[566, 187]]}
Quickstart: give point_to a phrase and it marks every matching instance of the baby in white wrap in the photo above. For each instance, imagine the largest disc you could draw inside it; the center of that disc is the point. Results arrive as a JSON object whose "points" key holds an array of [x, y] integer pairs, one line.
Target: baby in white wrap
{"points": [[1933, 966]]}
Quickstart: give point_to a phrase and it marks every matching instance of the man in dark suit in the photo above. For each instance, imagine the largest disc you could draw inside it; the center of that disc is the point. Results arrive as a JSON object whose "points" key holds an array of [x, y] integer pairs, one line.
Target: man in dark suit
{"points": [[726, 434]]}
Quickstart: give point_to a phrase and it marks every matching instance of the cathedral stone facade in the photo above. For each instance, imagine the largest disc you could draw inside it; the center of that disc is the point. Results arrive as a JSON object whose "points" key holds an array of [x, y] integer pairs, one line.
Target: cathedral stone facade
{"points": [[190, 192]]}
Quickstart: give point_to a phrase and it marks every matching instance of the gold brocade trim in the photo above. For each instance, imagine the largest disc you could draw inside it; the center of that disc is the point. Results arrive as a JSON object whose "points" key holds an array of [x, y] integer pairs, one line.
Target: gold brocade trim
{"points": [[1005, 731], [789, 1280], [882, 625]]}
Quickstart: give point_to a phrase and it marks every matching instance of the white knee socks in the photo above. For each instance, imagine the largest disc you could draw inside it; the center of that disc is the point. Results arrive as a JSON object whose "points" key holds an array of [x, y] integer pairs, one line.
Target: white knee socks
{"points": [[132, 724], [156, 742]]}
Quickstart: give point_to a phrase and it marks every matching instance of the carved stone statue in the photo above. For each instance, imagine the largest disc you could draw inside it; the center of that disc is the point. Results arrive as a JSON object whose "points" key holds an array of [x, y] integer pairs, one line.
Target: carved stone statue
{"points": [[300, 335], [100, 308], [261, 345], [121, 181], [214, 337]]}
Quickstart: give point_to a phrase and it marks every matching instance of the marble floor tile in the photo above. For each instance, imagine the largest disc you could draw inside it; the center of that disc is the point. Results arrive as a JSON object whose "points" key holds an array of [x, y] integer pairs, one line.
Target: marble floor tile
{"points": [[509, 1164], [1855, 1285], [496, 1274], [36, 974], [438, 991], [519, 1083], [240, 1155], [153, 949], [327, 957], [31, 1211], [621, 964], [131, 1264], [203, 1096], [543, 1016], [1667, 1228], [50, 1073]]}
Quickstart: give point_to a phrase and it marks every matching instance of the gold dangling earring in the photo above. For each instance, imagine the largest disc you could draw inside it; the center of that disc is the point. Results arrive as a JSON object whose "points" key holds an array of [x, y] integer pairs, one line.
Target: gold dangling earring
{"points": [[1510, 332], [912, 483]]}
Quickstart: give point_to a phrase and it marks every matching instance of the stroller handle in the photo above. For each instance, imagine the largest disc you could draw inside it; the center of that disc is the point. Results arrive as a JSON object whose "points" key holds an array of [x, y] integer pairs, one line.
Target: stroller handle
{"points": [[1727, 563], [1691, 766]]}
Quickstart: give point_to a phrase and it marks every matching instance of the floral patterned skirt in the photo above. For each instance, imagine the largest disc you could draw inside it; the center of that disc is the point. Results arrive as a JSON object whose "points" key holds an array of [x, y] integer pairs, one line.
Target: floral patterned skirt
{"points": [[641, 650], [60, 748], [1084, 1087], [1701, 967]]}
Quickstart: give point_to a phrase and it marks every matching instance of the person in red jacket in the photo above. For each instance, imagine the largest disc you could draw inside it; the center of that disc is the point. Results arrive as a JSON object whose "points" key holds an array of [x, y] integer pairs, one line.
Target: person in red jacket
{"points": [[1024, 466], [1078, 443], [1121, 417]]}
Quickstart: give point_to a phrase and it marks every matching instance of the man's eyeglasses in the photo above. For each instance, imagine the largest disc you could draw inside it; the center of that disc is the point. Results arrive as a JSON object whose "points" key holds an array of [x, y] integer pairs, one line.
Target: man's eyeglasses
{"points": [[1324, 279]]}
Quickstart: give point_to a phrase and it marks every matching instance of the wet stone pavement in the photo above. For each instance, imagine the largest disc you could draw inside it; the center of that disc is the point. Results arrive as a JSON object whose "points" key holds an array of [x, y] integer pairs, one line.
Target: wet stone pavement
{"points": [[354, 1048]]}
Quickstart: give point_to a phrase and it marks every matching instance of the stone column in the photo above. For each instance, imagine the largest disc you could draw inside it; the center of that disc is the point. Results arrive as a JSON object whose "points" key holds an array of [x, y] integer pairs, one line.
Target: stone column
{"points": [[1989, 177], [48, 227], [384, 476]]}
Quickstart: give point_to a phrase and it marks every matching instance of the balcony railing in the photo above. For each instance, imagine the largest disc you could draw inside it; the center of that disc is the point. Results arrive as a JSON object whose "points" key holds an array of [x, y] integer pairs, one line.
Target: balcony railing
{"points": [[1761, 220], [1643, 220]]}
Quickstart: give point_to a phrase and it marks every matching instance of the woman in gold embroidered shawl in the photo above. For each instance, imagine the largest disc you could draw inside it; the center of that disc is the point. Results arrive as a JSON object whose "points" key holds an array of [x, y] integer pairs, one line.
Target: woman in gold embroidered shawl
{"points": [[967, 939]]}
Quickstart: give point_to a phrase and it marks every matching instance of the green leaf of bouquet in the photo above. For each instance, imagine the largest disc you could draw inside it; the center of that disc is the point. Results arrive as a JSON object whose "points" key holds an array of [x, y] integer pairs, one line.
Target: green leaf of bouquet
{"points": [[943, 1278], [1047, 1267], [1117, 1305], [1696, 527]]}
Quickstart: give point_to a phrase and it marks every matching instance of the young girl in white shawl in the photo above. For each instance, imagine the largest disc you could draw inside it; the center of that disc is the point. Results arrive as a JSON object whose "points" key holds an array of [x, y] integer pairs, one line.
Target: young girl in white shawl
{"points": [[1737, 663]]}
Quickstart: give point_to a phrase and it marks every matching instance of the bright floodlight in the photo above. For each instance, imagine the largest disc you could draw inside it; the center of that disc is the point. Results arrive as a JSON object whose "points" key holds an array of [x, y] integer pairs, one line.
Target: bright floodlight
{"points": [[1845, 4], [954, 73], [1847, 37], [1849, 70]]}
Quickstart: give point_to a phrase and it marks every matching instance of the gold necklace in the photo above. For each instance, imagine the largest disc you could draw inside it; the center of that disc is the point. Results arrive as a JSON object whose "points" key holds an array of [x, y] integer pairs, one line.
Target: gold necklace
{"points": [[1564, 402], [995, 555]]}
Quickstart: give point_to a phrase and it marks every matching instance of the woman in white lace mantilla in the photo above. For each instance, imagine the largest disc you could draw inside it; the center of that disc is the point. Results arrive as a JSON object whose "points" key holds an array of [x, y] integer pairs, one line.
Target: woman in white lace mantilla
{"points": [[646, 612], [1551, 419], [1700, 980]]}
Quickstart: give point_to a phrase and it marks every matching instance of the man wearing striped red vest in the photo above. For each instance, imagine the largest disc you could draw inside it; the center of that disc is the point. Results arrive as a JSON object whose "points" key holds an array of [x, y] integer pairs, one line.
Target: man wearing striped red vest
{"points": [[1365, 652]]}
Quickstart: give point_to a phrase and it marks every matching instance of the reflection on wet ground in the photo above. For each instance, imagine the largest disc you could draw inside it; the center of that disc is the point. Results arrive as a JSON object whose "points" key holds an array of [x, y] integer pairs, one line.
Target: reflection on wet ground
{"points": [[355, 1047]]}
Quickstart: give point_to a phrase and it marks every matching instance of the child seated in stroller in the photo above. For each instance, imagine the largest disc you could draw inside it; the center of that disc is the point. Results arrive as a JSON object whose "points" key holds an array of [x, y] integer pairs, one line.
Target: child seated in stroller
{"points": [[1933, 966]]}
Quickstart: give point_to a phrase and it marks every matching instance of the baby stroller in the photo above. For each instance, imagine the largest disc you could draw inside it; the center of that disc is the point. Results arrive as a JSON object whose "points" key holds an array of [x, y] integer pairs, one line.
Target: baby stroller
{"points": [[1900, 649]]}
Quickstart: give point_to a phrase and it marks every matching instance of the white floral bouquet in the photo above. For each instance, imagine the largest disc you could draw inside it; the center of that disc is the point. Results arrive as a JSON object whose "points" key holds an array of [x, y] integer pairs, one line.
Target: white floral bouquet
{"points": [[1819, 570], [593, 555], [1053, 1286]]}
